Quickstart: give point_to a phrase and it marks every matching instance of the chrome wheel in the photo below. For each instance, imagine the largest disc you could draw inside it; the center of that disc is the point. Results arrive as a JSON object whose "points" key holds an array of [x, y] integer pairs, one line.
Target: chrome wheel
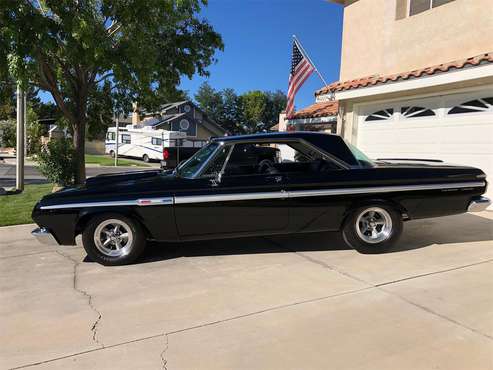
{"points": [[113, 238], [374, 225]]}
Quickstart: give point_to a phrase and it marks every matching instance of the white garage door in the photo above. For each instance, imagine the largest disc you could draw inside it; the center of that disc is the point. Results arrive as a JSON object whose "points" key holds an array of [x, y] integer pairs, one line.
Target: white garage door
{"points": [[454, 128]]}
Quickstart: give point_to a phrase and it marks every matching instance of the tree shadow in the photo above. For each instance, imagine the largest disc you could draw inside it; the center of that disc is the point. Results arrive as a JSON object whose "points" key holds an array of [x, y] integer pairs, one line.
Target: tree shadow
{"points": [[417, 234]]}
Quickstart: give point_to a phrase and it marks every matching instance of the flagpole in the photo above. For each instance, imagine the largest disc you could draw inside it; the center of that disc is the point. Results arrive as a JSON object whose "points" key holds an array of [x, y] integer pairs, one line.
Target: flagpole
{"points": [[308, 57]]}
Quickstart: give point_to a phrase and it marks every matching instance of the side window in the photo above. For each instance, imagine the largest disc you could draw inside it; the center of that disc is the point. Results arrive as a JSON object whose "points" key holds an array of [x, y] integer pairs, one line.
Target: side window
{"points": [[275, 158], [157, 141], [126, 139], [110, 136], [217, 164]]}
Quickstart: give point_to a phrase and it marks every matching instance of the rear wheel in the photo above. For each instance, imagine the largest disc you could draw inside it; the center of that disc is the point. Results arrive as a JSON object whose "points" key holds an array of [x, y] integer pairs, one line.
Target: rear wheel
{"points": [[373, 228], [145, 158], [112, 240]]}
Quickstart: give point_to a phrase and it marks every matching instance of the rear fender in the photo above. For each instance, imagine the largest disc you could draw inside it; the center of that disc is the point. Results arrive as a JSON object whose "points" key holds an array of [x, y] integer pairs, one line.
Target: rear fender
{"points": [[374, 201]]}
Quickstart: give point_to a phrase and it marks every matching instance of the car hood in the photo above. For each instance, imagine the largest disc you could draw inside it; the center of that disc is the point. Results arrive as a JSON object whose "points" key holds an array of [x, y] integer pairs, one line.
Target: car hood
{"points": [[120, 177], [124, 184]]}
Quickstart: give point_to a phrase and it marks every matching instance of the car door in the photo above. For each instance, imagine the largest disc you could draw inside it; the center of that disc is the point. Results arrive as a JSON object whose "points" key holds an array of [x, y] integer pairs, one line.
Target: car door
{"points": [[220, 204]]}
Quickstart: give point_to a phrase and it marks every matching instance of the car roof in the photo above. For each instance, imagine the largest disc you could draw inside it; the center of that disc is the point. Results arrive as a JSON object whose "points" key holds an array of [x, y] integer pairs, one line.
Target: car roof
{"points": [[331, 144], [274, 136]]}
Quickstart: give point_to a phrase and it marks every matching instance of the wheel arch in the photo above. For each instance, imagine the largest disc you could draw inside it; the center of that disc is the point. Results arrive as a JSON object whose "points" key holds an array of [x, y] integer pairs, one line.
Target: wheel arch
{"points": [[85, 216], [374, 201]]}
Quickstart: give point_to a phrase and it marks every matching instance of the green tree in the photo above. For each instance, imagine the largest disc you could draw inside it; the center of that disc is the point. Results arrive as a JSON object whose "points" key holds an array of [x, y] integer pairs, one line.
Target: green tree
{"points": [[211, 102], [276, 103], [254, 104], [70, 48], [232, 112]]}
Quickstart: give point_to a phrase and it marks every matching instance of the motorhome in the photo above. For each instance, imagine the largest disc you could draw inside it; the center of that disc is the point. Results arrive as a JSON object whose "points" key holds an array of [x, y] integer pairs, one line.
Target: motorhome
{"points": [[148, 144]]}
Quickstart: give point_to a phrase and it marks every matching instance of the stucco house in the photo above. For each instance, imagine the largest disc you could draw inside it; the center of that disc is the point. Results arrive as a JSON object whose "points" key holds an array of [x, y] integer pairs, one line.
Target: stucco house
{"points": [[416, 80]]}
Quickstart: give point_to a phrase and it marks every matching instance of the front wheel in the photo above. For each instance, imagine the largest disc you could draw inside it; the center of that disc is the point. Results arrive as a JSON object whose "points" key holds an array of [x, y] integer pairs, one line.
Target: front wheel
{"points": [[145, 158], [112, 240], [372, 229]]}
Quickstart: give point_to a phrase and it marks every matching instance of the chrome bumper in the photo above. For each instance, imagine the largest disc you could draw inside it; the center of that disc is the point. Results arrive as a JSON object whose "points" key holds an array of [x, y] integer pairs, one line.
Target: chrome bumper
{"points": [[44, 236], [479, 204]]}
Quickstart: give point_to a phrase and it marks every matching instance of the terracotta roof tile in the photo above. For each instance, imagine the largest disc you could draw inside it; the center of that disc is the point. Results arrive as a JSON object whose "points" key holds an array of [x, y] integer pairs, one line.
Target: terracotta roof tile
{"points": [[374, 80], [316, 110]]}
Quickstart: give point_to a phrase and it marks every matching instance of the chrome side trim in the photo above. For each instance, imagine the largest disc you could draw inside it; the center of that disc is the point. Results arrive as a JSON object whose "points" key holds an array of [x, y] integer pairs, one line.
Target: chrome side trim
{"points": [[478, 204], [230, 197], [155, 201], [138, 202], [187, 199], [383, 189], [44, 236]]}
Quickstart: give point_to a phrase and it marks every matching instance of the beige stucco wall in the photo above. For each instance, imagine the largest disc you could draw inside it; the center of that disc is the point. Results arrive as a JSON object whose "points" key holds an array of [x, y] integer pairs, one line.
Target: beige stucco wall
{"points": [[374, 42]]}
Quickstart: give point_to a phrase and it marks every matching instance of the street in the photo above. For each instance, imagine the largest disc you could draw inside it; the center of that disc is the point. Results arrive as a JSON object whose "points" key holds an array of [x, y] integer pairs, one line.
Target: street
{"points": [[286, 302], [33, 176]]}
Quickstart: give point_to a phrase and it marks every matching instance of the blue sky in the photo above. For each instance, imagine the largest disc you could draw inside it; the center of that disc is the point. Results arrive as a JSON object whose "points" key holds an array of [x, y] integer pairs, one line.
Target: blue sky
{"points": [[257, 35]]}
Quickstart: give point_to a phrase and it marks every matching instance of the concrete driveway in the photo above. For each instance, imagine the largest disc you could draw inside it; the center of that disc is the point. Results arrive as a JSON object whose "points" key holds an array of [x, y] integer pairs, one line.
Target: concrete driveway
{"points": [[291, 302]]}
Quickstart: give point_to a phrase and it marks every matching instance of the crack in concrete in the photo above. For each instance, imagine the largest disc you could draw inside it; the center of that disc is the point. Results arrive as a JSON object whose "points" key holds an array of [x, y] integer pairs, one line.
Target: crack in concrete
{"points": [[166, 334], [163, 357], [94, 327], [381, 285]]}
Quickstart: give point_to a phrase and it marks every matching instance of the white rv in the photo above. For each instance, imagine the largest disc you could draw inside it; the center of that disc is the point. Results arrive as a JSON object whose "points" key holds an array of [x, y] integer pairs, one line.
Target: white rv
{"points": [[149, 144]]}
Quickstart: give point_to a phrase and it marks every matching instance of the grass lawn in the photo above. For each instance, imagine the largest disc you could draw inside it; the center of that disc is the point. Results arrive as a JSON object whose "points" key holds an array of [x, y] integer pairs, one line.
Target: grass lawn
{"points": [[16, 209], [106, 160]]}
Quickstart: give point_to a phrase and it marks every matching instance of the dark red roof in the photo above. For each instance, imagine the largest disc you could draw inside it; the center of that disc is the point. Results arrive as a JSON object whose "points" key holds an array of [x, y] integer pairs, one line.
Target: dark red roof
{"points": [[422, 72], [316, 110]]}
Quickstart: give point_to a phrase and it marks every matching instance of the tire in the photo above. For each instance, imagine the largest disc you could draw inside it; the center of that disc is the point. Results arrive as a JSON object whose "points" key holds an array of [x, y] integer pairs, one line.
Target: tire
{"points": [[103, 227], [372, 228], [145, 158], [112, 154]]}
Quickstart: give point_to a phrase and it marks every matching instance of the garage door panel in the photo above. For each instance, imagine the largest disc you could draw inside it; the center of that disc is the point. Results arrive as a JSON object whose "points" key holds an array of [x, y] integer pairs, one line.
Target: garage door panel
{"points": [[465, 139]]}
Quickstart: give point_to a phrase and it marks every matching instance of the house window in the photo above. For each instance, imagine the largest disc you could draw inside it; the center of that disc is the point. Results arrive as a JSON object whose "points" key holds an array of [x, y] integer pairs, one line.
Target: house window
{"points": [[184, 125], [420, 6], [381, 115], [474, 106], [415, 112], [156, 141], [126, 139]]}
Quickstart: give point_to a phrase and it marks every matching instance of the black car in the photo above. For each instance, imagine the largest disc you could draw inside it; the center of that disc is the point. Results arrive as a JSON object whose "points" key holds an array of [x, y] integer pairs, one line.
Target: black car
{"points": [[260, 184]]}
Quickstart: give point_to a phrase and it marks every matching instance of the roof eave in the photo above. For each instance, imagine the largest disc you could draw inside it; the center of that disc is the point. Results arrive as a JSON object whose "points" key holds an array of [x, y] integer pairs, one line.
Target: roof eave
{"points": [[442, 79]]}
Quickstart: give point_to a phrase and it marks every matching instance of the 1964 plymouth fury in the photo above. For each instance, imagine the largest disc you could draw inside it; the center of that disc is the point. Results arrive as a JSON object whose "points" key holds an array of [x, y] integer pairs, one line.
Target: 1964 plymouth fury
{"points": [[260, 184]]}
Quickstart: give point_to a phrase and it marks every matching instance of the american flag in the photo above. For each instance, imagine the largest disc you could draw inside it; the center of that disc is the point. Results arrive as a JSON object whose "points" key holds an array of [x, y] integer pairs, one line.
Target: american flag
{"points": [[301, 69]]}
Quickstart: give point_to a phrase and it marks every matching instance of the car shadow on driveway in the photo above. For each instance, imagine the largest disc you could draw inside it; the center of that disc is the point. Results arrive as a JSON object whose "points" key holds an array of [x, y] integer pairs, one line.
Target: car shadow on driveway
{"points": [[417, 234]]}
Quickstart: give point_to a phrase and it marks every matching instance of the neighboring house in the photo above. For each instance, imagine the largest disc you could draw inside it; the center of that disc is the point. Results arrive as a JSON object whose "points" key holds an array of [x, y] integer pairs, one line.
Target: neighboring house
{"points": [[416, 80], [182, 116]]}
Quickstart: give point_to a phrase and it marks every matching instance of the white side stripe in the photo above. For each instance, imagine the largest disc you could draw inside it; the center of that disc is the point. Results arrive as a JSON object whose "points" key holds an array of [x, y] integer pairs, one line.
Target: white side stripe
{"points": [[384, 189], [230, 197], [138, 202], [189, 199]]}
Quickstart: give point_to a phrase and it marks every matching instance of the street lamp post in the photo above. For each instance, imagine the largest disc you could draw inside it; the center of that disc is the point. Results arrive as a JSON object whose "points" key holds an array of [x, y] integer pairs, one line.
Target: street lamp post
{"points": [[21, 124]]}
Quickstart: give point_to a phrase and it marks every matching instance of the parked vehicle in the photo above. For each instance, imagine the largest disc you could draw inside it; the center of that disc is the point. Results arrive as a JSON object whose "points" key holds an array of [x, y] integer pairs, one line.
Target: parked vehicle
{"points": [[148, 144], [261, 184]]}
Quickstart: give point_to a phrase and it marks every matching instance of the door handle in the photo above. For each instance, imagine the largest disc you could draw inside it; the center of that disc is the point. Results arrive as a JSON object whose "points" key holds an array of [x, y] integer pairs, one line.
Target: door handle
{"points": [[277, 178]]}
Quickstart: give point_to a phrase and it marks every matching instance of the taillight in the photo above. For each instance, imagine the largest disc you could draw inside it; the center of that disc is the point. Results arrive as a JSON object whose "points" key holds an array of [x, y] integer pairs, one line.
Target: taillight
{"points": [[165, 153]]}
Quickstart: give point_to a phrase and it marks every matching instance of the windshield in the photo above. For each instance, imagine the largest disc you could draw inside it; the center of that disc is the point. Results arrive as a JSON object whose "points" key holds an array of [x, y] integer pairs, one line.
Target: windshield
{"points": [[194, 163], [361, 157]]}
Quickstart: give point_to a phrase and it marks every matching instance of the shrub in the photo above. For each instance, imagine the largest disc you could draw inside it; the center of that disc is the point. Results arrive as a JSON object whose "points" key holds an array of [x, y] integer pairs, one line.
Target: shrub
{"points": [[8, 134], [56, 161]]}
